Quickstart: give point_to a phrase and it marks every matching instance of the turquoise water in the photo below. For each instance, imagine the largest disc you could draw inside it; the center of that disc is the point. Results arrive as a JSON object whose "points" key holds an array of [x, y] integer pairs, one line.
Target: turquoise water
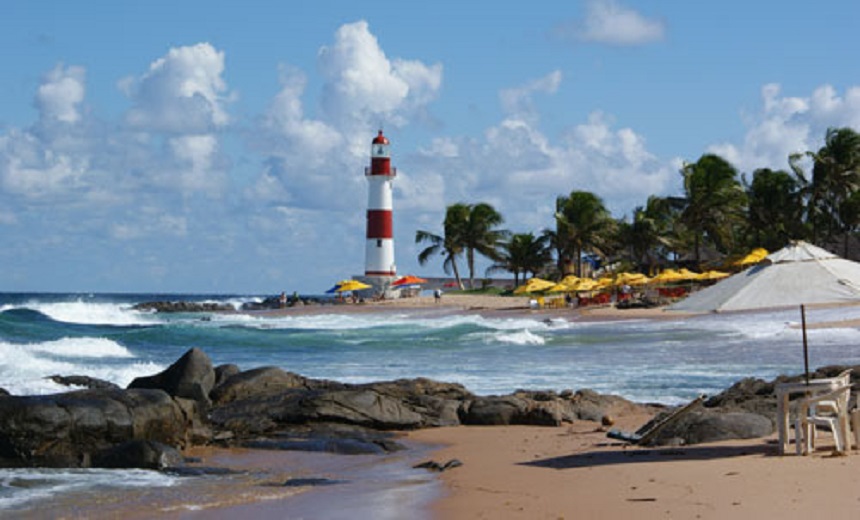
{"points": [[654, 361]]}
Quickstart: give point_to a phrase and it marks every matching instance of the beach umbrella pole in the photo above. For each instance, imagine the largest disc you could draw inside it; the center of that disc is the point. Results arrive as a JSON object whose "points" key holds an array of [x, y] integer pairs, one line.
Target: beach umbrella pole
{"points": [[805, 343]]}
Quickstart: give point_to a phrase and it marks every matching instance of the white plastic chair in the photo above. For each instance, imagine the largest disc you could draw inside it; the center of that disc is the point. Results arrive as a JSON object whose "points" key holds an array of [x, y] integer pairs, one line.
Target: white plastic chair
{"points": [[843, 379], [830, 410]]}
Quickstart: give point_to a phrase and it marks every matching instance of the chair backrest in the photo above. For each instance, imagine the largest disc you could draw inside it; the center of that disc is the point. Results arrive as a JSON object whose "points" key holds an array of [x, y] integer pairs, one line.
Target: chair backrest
{"points": [[834, 402]]}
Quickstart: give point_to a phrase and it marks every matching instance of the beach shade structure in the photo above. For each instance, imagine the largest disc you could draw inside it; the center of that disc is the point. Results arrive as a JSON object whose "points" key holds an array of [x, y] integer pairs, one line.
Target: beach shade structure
{"points": [[534, 285], [570, 279], [753, 257], [408, 280], [686, 275], [630, 279], [667, 276], [712, 275], [797, 274], [336, 286], [586, 284], [352, 285]]}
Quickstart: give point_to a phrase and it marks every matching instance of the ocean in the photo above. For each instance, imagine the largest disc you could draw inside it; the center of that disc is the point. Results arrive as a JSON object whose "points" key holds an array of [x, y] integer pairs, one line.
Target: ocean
{"points": [[663, 361]]}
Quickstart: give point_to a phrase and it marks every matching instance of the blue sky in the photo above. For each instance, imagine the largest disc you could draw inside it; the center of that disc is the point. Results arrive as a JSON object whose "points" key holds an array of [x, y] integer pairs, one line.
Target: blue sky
{"points": [[220, 146]]}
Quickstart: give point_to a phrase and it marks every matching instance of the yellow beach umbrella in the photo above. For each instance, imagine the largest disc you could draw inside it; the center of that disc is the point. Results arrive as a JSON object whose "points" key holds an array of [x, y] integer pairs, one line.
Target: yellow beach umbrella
{"points": [[585, 284], [685, 274], [713, 275], [667, 276], [755, 256], [351, 285], [534, 285], [630, 279]]}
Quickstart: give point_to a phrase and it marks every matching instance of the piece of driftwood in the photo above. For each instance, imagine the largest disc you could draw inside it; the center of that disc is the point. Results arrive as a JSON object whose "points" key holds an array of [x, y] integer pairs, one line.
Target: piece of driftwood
{"points": [[650, 430]]}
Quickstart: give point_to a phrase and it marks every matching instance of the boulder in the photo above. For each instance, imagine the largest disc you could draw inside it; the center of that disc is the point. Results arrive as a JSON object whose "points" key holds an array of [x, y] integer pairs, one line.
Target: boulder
{"points": [[510, 409], [66, 430], [225, 372], [262, 382], [711, 426], [83, 381], [182, 306], [141, 454], [588, 405], [191, 377]]}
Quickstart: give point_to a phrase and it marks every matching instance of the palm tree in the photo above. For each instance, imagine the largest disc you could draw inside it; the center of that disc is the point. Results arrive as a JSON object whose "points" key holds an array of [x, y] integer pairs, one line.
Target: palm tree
{"points": [[449, 244], [478, 233], [835, 177], [715, 202], [646, 237], [775, 213], [522, 253], [583, 225], [469, 228]]}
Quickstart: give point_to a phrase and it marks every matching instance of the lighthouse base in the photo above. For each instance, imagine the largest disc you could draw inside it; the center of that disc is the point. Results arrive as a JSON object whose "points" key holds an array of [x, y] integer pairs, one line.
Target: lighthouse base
{"points": [[381, 286]]}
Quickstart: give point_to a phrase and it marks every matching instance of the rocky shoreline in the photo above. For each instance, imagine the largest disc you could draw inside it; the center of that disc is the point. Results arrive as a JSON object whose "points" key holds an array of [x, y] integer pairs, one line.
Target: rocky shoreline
{"points": [[193, 403]]}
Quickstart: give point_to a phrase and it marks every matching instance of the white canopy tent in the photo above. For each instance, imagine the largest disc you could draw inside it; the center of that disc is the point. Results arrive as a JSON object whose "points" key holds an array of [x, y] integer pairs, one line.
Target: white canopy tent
{"points": [[799, 273]]}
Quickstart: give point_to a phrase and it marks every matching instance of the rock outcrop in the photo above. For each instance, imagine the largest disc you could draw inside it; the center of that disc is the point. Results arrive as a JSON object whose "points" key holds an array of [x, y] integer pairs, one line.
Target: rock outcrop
{"points": [[193, 403]]}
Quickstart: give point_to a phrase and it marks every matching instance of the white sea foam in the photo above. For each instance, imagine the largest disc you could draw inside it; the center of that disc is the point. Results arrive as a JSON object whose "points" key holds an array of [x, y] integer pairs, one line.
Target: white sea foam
{"points": [[82, 348], [370, 320], [523, 337], [90, 313], [25, 367], [23, 486]]}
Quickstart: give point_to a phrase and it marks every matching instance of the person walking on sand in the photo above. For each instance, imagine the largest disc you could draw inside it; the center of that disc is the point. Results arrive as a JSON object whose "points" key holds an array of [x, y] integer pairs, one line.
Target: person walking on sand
{"points": [[437, 295]]}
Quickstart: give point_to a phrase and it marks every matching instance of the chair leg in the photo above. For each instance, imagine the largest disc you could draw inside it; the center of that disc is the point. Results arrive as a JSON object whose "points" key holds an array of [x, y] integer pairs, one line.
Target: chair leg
{"points": [[855, 425], [799, 436]]}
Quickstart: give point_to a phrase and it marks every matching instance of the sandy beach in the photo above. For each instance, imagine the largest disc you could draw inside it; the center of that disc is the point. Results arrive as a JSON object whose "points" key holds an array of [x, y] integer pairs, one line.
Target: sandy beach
{"points": [[575, 471]]}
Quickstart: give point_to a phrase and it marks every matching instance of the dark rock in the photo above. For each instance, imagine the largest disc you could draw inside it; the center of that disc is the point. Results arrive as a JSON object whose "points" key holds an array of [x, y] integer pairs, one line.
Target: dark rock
{"points": [[142, 454], [67, 430], [191, 377], [588, 405], [311, 481], [432, 465], [225, 372], [183, 306], [329, 437], [258, 383], [509, 409], [711, 426], [4, 392], [84, 381]]}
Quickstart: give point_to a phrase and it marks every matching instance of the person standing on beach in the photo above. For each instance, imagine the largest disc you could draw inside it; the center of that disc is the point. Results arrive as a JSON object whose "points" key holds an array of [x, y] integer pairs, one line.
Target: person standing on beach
{"points": [[437, 295]]}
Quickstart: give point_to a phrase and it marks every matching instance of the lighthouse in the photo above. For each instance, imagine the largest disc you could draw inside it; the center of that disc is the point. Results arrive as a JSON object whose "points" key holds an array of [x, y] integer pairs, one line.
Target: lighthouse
{"points": [[379, 268]]}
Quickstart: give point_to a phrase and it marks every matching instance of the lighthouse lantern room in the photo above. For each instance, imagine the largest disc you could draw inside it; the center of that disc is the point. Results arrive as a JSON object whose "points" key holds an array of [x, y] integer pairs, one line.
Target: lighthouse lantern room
{"points": [[379, 267]]}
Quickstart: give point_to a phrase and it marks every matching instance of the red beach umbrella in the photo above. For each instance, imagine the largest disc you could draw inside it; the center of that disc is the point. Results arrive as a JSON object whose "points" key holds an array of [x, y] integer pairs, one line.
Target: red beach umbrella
{"points": [[408, 280]]}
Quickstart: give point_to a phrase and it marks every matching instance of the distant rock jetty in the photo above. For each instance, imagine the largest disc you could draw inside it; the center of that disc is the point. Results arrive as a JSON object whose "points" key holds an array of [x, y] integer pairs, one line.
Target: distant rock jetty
{"points": [[272, 302], [193, 403]]}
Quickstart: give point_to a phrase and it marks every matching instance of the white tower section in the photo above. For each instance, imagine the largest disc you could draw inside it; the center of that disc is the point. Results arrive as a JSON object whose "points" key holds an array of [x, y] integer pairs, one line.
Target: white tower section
{"points": [[379, 252]]}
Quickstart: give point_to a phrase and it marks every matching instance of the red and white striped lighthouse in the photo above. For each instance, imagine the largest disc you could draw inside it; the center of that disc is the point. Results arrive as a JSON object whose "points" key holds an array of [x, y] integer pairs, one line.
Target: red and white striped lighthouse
{"points": [[379, 252]]}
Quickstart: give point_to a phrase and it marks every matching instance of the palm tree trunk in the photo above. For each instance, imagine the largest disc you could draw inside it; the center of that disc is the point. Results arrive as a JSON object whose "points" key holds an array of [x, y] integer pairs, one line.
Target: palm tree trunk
{"points": [[456, 273]]}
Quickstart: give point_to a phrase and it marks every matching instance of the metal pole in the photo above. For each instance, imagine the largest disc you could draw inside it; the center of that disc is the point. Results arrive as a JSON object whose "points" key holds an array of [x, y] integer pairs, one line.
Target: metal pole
{"points": [[805, 344]]}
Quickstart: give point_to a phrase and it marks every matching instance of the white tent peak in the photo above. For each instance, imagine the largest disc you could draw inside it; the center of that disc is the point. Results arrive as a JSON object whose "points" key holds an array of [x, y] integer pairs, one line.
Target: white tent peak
{"points": [[799, 273], [799, 251]]}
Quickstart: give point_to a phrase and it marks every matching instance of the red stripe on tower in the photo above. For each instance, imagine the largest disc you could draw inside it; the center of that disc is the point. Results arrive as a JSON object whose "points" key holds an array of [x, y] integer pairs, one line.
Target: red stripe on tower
{"points": [[379, 223]]}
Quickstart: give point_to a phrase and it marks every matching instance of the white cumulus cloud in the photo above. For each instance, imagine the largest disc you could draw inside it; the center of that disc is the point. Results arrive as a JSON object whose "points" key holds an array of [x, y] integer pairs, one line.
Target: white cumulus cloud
{"points": [[60, 94], [609, 22], [182, 92], [786, 125]]}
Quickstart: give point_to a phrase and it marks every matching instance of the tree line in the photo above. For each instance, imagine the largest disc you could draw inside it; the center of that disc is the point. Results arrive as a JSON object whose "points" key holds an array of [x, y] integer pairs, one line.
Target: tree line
{"points": [[721, 213]]}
